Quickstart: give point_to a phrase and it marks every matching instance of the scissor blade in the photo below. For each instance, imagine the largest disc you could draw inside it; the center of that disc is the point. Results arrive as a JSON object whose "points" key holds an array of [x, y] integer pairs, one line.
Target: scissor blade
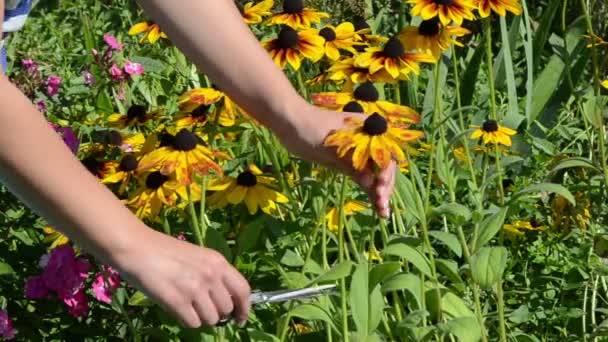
{"points": [[281, 296]]}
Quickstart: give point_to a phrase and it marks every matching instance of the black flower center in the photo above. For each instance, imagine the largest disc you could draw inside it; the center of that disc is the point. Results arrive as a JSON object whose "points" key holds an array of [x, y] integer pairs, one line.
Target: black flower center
{"points": [[93, 165], [507, 183], [137, 112], [490, 126], [293, 6], [444, 2], [429, 28], [184, 140], [288, 38], [328, 33], [166, 139], [360, 24], [353, 107], [534, 223], [246, 178], [200, 112], [393, 48], [128, 163], [113, 138], [375, 124], [155, 180], [367, 92]]}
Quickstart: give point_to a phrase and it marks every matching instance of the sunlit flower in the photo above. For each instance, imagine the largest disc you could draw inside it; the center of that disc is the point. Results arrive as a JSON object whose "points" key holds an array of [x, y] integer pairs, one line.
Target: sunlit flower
{"points": [[253, 13], [431, 36], [156, 191], [518, 228], [333, 215], [112, 42], [290, 46], [566, 216], [137, 115], [364, 35], [194, 98], [297, 16], [447, 10], [493, 133], [152, 32], [133, 68], [184, 154], [54, 237], [366, 96], [251, 187], [605, 84], [53, 83], [121, 172], [500, 7], [338, 38], [198, 116], [373, 139], [98, 168], [346, 70], [373, 254], [393, 59], [105, 284]]}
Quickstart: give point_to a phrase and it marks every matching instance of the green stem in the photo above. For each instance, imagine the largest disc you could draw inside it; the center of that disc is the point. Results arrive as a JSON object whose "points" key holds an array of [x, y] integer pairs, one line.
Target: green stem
{"points": [[125, 314], [194, 224], [343, 295], [489, 57], [203, 220]]}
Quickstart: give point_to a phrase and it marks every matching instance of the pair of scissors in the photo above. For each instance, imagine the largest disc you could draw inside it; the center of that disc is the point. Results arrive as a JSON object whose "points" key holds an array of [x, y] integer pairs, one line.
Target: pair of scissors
{"points": [[259, 298]]}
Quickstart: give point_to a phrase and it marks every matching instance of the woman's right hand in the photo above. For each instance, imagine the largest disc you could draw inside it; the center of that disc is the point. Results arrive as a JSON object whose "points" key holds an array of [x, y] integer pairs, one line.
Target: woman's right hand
{"points": [[195, 284]]}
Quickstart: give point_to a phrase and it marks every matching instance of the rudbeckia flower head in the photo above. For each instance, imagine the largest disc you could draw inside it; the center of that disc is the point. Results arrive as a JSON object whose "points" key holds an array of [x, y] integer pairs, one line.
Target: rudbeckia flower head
{"points": [[122, 171], [446, 10], [431, 36], [338, 38], [393, 60], [500, 7], [152, 32], [291, 46], [605, 84], [253, 13], [493, 133], [194, 98], [137, 115], [373, 139], [294, 14]]}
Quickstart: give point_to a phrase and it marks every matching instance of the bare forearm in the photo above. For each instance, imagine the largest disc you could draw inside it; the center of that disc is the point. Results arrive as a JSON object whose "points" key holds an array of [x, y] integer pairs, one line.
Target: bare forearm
{"points": [[37, 167], [213, 35]]}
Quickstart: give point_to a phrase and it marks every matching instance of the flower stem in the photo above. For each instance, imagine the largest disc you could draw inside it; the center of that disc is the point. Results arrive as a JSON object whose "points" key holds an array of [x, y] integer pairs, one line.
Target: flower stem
{"points": [[489, 64], [341, 252]]}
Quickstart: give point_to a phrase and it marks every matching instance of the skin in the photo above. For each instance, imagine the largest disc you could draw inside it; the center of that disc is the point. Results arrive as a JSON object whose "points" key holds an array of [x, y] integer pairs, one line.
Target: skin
{"points": [[197, 285]]}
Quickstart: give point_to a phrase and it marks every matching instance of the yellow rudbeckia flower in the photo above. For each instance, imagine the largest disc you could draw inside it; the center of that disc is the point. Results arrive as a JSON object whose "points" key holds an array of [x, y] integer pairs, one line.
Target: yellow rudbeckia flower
{"points": [[431, 36], [250, 187], [291, 46], [493, 133], [253, 13], [333, 215], [54, 237], [500, 7], [137, 115], [152, 32], [446, 10], [372, 140], [156, 192], [297, 16], [605, 84], [338, 38], [517, 228]]}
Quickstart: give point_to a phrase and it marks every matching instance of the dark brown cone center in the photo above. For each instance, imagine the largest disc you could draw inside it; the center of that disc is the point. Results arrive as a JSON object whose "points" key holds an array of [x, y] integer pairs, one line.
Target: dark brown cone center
{"points": [[155, 180], [328, 33], [490, 126], [137, 112], [293, 6], [184, 140], [128, 163], [393, 48], [375, 124], [166, 139], [429, 28], [200, 112], [288, 38], [246, 178], [367, 92], [444, 2], [353, 107], [360, 24]]}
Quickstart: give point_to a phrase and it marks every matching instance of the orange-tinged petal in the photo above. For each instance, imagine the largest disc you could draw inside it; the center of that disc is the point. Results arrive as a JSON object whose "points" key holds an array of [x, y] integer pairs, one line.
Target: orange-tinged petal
{"points": [[379, 153]]}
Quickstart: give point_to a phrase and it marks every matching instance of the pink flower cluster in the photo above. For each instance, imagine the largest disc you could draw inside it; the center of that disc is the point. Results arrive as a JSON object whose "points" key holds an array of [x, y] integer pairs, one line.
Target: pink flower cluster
{"points": [[7, 331], [64, 275], [68, 136], [105, 283], [53, 83]]}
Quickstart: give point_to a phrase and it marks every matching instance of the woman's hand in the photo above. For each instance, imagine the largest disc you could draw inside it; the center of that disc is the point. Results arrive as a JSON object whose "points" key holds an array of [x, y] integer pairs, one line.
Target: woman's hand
{"points": [[312, 127], [197, 285]]}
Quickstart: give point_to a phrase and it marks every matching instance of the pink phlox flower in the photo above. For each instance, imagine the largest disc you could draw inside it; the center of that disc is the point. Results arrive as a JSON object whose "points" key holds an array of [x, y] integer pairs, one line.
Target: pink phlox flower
{"points": [[133, 68], [77, 303], [116, 73], [53, 83], [6, 326], [106, 282], [112, 42]]}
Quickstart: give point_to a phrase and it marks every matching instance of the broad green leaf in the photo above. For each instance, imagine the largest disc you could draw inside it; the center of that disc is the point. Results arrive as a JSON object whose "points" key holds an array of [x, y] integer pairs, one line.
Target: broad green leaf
{"points": [[489, 227], [575, 162], [530, 55], [470, 76], [453, 306], [542, 32], [411, 255], [405, 281], [359, 297], [339, 271], [411, 198], [512, 118], [149, 64], [456, 213], [312, 312], [465, 329], [488, 265], [381, 272], [545, 188], [6, 269], [449, 268], [260, 336], [449, 239], [376, 308], [140, 299], [292, 259], [593, 108], [520, 315]]}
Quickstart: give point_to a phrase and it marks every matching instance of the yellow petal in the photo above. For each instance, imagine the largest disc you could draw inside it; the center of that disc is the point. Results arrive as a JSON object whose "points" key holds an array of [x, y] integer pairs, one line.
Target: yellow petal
{"points": [[138, 28]]}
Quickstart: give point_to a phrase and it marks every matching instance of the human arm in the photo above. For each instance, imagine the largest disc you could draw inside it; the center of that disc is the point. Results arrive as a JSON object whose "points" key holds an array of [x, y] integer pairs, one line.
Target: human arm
{"points": [[214, 36]]}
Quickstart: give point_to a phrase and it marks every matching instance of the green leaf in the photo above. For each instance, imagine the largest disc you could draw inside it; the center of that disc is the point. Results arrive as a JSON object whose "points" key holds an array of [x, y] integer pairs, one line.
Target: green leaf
{"points": [[140, 299], [542, 32], [449, 240], [381, 272], [470, 76], [593, 109], [449, 268], [512, 118], [405, 281], [545, 187], [376, 309], [489, 227], [339, 271], [359, 298], [574, 162], [292, 259], [249, 237], [149, 64], [458, 213], [411, 255], [6, 269], [104, 103], [260, 336], [312, 312], [411, 197], [465, 329], [488, 265], [453, 306]]}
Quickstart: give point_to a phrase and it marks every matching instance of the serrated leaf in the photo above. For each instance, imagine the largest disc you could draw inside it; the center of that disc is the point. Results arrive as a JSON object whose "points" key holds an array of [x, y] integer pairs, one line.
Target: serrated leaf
{"points": [[488, 265], [489, 227]]}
